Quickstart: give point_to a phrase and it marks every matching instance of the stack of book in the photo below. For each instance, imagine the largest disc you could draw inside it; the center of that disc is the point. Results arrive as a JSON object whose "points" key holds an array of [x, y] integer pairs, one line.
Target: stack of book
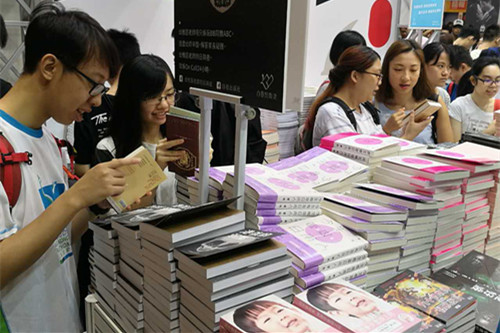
{"points": [[463, 275], [220, 274], [182, 190], [419, 228], [322, 250], [492, 247], [309, 97], [382, 226], [362, 148], [483, 164], [129, 307], [272, 149], [434, 179], [104, 257], [272, 198], [164, 229], [455, 309], [350, 309], [407, 147], [286, 124], [270, 314], [194, 194], [322, 170]]}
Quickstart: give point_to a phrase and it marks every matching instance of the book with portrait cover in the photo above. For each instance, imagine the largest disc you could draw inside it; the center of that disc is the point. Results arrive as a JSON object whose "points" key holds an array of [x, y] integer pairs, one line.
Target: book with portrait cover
{"points": [[317, 240], [437, 300], [488, 300], [271, 314], [184, 127], [351, 309], [140, 178]]}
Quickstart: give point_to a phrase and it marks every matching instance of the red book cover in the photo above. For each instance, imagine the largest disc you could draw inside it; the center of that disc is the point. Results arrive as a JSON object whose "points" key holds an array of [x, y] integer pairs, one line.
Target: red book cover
{"points": [[178, 127]]}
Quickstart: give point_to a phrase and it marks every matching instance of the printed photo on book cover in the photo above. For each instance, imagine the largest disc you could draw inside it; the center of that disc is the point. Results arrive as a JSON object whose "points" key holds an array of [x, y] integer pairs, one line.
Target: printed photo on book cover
{"points": [[226, 243]]}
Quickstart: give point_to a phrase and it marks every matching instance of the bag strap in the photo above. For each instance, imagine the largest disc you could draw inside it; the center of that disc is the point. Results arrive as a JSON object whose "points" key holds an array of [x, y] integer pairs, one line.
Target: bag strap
{"points": [[348, 111], [71, 152], [373, 111], [10, 169]]}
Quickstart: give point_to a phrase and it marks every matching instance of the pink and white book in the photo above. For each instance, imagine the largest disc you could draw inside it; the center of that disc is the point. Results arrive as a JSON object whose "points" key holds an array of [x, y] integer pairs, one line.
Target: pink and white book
{"points": [[317, 240], [320, 169], [415, 181], [426, 168], [394, 196], [369, 211], [264, 184], [271, 314], [351, 309], [469, 152], [360, 144], [407, 147]]}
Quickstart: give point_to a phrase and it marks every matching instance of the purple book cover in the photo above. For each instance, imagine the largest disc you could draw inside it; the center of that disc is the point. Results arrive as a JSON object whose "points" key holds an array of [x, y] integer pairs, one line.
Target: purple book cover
{"points": [[317, 278], [359, 204], [287, 163], [311, 153], [396, 192], [361, 255], [361, 223], [318, 239]]}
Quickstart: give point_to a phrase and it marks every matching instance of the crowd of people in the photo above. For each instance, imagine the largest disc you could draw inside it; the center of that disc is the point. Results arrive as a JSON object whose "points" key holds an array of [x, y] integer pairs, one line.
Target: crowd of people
{"points": [[69, 60], [370, 95]]}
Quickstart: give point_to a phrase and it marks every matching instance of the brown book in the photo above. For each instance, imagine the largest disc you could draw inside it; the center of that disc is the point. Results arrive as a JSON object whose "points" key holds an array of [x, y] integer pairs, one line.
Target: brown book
{"points": [[180, 127], [141, 178]]}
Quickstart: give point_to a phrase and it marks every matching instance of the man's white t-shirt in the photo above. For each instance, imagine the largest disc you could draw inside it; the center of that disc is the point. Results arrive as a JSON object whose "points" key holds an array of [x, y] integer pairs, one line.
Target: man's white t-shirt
{"points": [[331, 119], [473, 119], [44, 298]]}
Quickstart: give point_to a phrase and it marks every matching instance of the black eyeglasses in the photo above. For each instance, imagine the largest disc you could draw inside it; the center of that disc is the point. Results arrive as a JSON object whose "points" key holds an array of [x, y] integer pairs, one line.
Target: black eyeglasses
{"points": [[380, 76], [489, 82], [97, 88], [171, 99]]}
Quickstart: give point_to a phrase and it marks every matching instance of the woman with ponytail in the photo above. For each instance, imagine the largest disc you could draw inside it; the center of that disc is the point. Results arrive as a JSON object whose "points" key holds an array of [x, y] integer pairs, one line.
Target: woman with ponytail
{"points": [[345, 105]]}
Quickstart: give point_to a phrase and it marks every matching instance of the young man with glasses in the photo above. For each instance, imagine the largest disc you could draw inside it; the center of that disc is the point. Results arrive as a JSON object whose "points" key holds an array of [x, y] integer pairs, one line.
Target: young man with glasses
{"points": [[68, 57], [474, 112]]}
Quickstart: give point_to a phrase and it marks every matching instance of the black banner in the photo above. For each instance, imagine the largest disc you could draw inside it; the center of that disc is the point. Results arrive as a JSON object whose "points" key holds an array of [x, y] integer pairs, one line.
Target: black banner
{"points": [[482, 13], [233, 46]]}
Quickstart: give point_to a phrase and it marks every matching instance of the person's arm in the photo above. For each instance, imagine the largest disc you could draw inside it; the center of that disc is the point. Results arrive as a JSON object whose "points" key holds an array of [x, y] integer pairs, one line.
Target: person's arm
{"points": [[22, 249], [490, 129], [457, 129], [443, 124], [81, 169]]}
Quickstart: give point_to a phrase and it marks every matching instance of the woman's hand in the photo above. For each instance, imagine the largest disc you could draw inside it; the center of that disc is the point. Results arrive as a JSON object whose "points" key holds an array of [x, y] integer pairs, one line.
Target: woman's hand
{"points": [[164, 154], [395, 122], [491, 128], [412, 128]]}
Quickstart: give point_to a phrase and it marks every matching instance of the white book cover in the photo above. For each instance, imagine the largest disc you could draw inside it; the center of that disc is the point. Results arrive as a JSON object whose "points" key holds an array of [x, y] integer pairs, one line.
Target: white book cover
{"points": [[271, 314], [317, 240], [319, 167], [363, 144], [424, 167], [268, 185]]}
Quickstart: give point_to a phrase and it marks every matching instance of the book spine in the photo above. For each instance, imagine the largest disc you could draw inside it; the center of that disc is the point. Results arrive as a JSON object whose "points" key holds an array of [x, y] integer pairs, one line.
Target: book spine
{"points": [[332, 264], [320, 315]]}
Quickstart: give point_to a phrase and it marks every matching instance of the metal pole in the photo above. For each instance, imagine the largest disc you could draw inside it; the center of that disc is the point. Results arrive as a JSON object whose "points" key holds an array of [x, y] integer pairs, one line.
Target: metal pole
{"points": [[10, 63], [204, 136], [240, 152]]}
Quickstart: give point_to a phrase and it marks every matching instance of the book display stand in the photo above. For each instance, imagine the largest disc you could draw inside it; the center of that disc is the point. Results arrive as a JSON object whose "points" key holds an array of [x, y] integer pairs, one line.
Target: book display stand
{"points": [[242, 113]]}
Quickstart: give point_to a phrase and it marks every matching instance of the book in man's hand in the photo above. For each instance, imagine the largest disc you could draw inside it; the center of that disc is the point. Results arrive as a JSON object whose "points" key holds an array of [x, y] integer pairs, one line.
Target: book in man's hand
{"points": [[140, 179]]}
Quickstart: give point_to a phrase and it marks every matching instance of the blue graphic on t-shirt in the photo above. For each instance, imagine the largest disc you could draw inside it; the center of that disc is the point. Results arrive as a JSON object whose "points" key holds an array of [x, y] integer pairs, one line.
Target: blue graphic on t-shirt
{"points": [[50, 193]]}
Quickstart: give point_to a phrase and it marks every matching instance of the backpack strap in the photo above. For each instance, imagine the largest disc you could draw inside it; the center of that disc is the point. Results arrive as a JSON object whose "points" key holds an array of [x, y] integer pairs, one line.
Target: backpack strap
{"points": [[450, 88], [71, 152], [10, 169], [435, 98], [373, 111], [348, 111]]}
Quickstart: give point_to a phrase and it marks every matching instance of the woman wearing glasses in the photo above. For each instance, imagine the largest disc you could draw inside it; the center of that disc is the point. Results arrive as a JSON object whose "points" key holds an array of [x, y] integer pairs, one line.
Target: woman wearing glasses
{"points": [[345, 105], [143, 99], [474, 112], [404, 86]]}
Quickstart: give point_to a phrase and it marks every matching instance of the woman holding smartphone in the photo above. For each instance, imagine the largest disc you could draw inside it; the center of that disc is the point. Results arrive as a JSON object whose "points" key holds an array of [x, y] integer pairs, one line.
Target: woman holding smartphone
{"points": [[404, 87]]}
